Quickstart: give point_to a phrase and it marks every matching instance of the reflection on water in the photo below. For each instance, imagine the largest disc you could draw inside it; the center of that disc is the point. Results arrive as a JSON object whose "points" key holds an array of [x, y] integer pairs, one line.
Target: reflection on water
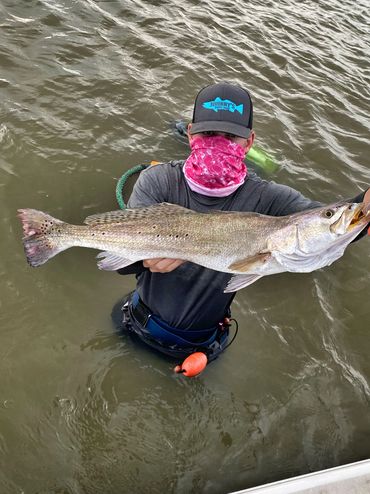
{"points": [[88, 90]]}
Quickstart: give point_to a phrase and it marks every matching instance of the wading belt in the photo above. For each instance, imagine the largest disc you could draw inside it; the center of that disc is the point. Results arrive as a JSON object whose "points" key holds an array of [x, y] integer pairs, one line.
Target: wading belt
{"points": [[161, 331]]}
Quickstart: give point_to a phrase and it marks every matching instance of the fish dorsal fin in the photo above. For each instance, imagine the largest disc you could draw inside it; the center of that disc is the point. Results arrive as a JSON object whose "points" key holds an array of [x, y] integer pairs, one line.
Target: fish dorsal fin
{"points": [[156, 210], [250, 263], [239, 281]]}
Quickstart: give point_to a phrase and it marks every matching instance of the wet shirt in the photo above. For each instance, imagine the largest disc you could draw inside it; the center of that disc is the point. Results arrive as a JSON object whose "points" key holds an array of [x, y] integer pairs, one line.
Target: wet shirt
{"points": [[191, 296]]}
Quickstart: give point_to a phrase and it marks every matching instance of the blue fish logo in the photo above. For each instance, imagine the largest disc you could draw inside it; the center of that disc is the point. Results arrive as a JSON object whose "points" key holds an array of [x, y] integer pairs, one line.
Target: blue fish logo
{"points": [[223, 104]]}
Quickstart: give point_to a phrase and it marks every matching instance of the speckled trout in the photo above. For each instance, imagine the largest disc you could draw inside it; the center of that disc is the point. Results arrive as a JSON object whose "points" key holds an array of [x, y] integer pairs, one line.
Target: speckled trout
{"points": [[247, 245]]}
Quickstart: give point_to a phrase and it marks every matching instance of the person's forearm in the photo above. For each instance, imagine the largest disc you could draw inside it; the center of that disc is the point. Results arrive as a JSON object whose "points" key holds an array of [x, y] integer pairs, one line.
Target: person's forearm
{"points": [[367, 197]]}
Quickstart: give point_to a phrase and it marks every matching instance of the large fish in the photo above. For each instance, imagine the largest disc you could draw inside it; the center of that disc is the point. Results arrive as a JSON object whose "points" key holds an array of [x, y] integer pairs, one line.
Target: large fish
{"points": [[248, 245]]}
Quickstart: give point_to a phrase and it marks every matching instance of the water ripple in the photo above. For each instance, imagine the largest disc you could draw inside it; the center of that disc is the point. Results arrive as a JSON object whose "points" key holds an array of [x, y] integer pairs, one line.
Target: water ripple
{"points": [[88, 90]]}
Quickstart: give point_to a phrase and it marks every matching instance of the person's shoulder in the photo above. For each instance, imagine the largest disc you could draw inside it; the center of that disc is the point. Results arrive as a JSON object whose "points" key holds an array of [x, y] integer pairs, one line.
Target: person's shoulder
{"points": [[160, 178], [164, 168], [260, 195], [266, 185], [254, 181], [278, 199], [162, 174]]}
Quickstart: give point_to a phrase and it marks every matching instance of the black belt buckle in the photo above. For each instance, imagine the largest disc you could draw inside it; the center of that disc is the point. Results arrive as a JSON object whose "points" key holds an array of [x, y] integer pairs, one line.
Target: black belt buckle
{"points": [[141, 314]]}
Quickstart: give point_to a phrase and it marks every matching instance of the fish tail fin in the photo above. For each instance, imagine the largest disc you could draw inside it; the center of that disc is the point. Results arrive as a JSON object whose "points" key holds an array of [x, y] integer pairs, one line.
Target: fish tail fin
{"points": [[39, 245], [240, 108]]}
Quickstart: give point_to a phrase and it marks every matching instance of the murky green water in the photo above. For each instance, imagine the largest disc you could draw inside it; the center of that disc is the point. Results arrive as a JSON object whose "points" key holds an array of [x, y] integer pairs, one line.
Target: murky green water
{"points": [[87, 91]]}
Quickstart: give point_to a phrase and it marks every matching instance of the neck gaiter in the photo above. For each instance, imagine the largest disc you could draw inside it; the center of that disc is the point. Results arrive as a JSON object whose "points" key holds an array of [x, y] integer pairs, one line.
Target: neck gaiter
{"points": [[215, 166]]}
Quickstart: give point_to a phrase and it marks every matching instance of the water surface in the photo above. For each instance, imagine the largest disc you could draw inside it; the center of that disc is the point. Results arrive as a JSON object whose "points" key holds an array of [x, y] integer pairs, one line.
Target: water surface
{"points": [[88, 89]]}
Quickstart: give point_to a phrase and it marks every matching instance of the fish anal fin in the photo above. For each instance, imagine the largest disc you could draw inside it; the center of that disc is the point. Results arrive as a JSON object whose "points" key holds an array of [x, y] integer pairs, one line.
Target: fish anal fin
{"points": [[111, 261], [239, 281], [250, 263]]}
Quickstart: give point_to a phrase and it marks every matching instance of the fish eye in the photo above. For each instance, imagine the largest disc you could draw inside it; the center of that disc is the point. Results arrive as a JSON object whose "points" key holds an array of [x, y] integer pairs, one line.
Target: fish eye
{"points": [[329, 213]]}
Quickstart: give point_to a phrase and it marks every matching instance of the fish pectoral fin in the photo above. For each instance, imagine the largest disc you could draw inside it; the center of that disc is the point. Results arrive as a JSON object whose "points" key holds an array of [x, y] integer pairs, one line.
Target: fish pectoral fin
{"points": [[247, 266], [111, 261], [239, 281], [250, 263]]}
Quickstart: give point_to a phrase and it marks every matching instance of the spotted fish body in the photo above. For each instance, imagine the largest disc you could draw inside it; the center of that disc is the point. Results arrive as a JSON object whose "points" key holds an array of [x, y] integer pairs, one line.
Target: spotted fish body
{"points": [[248, 245]]}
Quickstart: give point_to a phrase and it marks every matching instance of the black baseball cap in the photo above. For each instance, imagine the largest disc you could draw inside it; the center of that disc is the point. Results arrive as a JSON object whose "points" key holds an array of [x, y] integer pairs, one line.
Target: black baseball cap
{"points": [[223, 107]]}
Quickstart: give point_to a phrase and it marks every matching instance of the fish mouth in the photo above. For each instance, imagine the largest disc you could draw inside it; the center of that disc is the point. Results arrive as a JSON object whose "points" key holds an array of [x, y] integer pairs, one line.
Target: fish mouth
{"points": [[353, 216], [361, 213]]}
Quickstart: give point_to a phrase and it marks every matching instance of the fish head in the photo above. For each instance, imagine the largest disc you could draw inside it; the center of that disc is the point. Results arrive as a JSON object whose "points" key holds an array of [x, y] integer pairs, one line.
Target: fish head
{"points": [[320, 228]]}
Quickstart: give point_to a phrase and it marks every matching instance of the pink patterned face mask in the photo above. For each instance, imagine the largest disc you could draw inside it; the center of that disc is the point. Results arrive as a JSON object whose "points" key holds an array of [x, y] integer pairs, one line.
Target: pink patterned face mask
{"points": [[215, 166]]}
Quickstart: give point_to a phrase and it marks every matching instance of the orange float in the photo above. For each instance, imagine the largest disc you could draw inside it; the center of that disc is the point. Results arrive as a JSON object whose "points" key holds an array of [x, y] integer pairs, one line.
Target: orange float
{"points": [[192, 365]]}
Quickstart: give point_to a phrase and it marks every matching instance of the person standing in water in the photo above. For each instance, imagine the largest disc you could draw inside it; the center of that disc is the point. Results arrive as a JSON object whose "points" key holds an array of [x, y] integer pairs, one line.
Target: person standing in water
{"points": [[179, 307]]}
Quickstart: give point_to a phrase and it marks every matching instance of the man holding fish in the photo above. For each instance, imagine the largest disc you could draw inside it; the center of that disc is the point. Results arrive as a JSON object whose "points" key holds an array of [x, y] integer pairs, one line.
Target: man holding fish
{"points": [[192, 235], [214, 177]]}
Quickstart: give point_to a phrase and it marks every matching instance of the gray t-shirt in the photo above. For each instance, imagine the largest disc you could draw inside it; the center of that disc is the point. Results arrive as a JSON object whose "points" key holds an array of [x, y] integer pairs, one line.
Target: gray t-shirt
{"points": [[191, 296]]}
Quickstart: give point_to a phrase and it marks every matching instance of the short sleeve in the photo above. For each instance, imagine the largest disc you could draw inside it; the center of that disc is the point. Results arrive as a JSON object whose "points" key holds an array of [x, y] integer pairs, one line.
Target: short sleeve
{"points": [[283, 200], [150, 188]]}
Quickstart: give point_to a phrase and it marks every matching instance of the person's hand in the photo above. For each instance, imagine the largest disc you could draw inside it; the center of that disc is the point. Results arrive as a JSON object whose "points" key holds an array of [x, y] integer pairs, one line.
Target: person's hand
{"points": [[367, 205], [367, 198], [162, 265]]}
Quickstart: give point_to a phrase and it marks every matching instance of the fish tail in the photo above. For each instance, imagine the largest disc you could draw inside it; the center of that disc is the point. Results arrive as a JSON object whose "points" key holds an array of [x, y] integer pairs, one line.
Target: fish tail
{"points": [[40, 240], [240, 108]]}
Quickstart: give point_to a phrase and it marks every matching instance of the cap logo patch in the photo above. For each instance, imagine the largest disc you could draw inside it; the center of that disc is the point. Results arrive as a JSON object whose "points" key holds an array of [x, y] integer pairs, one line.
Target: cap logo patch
{"points": [[223, 104]]}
